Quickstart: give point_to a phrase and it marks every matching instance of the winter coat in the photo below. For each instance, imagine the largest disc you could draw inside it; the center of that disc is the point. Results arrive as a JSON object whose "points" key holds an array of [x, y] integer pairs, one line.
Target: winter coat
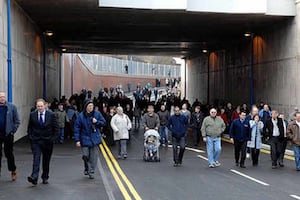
{"points": [[240, 131], [178, 125], [256, 134], [12, 119], [121, 125], [85, 131], [293, 133]]}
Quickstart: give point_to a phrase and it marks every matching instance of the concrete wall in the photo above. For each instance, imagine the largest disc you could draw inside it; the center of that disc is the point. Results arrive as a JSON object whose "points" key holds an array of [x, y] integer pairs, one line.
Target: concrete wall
{"points": [[27, 58], [86, 78], [276, 69]]}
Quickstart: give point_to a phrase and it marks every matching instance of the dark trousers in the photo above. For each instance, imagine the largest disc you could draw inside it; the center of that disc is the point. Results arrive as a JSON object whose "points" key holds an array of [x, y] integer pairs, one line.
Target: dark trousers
{"points": [[281, 156], [8, 142], [276, 150], [255, 154], [177, 156], [196, 135], [39, 148], [240, 151]]}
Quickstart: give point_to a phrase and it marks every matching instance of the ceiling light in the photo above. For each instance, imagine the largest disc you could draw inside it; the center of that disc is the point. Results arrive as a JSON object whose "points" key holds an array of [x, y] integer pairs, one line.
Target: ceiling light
{"points": [[204, 51], [247, 34], [64, 50], [49, 33]]}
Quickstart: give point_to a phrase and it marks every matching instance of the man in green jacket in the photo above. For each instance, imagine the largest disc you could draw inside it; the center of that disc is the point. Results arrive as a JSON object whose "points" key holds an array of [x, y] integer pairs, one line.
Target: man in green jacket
{"points": [[212, 128]]}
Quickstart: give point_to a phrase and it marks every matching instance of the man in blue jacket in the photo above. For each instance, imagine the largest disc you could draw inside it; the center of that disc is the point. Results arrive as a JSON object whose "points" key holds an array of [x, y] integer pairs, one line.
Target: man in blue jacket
{"points": [[178, 125], [240, 135], [9, 123], [88, 137]]}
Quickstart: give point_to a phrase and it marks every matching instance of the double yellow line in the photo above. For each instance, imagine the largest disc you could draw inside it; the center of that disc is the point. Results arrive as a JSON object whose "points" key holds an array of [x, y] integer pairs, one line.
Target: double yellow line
{"points": [[117, 172]]}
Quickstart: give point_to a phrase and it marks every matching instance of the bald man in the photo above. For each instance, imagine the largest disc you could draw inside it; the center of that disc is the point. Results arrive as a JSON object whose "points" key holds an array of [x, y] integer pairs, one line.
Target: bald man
{"points": [[212, 128], [9, 123]]}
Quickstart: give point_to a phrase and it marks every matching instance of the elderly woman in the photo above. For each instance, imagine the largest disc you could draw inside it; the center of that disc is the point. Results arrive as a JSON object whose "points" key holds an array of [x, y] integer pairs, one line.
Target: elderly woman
{"points": [[121, 125]]}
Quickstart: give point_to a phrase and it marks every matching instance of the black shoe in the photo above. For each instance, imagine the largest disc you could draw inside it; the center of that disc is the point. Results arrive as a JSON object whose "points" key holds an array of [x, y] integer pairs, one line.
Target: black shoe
{"points": [[86, 172], [91, 176], [281, 164], [175, 164], [242, 166], [274, 166], [237, 164], [32, 180], [45, 181]]}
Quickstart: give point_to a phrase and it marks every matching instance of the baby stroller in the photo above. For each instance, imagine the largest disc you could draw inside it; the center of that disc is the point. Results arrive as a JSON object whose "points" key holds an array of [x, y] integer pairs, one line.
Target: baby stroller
{"points": [[151, 146]]}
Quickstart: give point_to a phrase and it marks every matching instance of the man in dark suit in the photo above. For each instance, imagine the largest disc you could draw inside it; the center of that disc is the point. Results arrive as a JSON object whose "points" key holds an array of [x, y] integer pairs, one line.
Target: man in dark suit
{"points": [[274, 131], [42, 132]]}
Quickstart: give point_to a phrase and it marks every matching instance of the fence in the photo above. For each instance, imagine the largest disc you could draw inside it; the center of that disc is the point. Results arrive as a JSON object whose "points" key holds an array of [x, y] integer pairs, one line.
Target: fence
{"points": [[101, 63]]}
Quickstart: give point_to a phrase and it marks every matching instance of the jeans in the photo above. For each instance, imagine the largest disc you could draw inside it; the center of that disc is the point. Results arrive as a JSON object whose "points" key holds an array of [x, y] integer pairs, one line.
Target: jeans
{"points": [[213, 148], [137, 122], [45, 148], [8, 151], [240, 150], [89, 156], [61, 135], [122, 147], [297, 156], [163, 132], [177, 156]]}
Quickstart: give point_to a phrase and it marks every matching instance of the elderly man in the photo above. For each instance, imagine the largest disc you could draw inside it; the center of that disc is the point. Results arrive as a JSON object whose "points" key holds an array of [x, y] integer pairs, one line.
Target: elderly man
{"points": [[212, 128], [274, 130], [293, 133], [9, 123]]}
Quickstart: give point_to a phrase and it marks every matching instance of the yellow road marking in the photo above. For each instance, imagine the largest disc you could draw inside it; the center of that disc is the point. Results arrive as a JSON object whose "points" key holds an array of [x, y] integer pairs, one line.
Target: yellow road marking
{"points": [[120, 171], [115, 175], [288, 157]]}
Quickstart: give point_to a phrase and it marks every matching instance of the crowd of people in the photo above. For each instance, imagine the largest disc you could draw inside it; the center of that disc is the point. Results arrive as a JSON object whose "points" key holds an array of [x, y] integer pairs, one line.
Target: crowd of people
{"points": [[112, 116]]}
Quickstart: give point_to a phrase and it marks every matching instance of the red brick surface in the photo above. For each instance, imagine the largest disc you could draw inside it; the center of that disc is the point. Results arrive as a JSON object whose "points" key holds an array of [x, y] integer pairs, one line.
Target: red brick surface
{"points": [[84, 78]]}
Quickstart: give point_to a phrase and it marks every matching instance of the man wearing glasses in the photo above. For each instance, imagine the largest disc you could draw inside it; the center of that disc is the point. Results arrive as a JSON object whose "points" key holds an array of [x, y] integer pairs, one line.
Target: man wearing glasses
{"points": [[212, 128]]}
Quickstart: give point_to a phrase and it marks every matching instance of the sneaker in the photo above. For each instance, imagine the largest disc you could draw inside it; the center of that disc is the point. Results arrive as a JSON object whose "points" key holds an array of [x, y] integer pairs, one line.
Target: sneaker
{"points": [[13, 175], [175, 165], [217, 164], [91, 176], [124, 156], [119, 156], [211, 166]]}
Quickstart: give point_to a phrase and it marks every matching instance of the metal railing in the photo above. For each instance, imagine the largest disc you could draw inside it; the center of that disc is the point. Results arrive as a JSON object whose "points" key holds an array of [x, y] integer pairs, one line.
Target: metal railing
{"points": [[101, 63]]}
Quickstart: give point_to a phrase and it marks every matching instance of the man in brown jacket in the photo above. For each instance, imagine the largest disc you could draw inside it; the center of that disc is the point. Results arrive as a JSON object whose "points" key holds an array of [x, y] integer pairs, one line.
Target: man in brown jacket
{"points": [[293, 133]]}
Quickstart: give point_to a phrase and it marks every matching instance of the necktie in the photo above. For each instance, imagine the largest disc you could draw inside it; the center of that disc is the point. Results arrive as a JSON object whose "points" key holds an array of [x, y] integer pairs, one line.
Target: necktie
{"points": [[41, 121]]}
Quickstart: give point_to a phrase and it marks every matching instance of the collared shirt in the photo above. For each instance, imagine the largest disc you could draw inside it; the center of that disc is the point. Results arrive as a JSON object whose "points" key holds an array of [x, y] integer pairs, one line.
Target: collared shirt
{"points": [[275, 128], [43, 115], [298, 123]]}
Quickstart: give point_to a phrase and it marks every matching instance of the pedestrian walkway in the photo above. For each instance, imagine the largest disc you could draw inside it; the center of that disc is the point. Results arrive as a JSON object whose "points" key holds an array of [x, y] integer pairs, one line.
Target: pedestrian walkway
{"points": [[66, 181]]}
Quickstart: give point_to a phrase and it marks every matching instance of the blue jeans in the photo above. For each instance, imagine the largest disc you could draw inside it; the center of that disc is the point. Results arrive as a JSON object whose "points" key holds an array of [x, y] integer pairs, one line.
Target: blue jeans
{"points": [[61, 135], [163, 132], [213, 148], [297, 156], [177, 156]]}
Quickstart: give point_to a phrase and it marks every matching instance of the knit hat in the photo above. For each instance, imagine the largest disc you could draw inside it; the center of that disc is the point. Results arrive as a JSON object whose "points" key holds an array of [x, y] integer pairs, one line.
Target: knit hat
{"points": [[87, 102]]}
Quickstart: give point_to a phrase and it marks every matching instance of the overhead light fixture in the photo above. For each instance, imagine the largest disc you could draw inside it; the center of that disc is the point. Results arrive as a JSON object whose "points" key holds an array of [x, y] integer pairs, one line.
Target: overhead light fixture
{"points": [[48, 33], [204, 51], [247, 34], [64, 50]]}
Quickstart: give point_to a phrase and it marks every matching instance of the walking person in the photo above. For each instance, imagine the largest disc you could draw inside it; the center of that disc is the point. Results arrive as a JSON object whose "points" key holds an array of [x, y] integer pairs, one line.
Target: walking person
{"points": [[212, 128], [62, 119], [137, 113], [196, 123], [240, 135], [121, 125], [178, 125], [88, 137], [255, 144], [150, 119], [164, 116], [9, 124], [285, 139], [274, 130], [42, 132], [293, 132]]}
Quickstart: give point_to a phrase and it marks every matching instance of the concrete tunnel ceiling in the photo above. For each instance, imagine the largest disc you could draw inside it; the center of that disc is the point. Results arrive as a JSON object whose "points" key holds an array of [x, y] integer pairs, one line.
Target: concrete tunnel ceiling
{"points": [[82, 26]]}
